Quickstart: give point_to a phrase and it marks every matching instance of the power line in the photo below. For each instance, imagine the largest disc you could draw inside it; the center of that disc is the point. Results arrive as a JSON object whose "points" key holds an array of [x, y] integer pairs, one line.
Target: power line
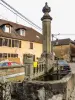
{"points": [[18, 13], [14, 12], [55, 35], [62, 34], [67, 34], [7, 8]]}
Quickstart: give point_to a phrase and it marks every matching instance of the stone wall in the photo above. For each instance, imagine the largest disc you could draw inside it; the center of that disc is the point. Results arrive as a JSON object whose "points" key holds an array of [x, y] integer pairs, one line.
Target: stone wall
{"points": [[70, 86], [17, 91], [40, 90], [5, 91], [11, 70], [13, 73]]}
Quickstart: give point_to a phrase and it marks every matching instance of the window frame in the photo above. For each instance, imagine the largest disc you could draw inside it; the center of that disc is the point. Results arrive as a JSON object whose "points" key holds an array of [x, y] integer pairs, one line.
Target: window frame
{"points": [[22, 32], [0, 41], [31, 45], [10, 43], [8, 27]]}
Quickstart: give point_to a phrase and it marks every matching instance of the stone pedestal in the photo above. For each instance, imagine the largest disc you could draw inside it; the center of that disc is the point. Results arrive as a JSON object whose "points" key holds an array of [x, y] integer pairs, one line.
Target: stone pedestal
{"points": [[28, 67]]}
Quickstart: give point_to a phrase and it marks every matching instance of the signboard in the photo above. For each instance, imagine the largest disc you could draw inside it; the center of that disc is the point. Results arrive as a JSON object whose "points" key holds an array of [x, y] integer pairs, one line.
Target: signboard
{"points": [[35, 64]]}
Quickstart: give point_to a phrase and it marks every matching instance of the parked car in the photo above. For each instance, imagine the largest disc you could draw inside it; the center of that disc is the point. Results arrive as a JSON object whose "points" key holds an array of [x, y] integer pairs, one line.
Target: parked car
{"points": [[61, 69], [63, 64], [8, 63]]}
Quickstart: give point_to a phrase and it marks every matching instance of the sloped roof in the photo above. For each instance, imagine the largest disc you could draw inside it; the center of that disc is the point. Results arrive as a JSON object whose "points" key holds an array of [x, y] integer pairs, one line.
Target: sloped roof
{"points": [[62, 42], [30, 34]]}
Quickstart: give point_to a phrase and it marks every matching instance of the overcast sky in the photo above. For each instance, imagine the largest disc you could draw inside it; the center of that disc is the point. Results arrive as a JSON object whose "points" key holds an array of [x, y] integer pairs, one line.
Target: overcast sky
{"points": [[62, 12]]}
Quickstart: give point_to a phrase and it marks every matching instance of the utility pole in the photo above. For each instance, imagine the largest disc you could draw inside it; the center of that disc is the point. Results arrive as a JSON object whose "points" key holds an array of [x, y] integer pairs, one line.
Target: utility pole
{"points": [[52, 43]]}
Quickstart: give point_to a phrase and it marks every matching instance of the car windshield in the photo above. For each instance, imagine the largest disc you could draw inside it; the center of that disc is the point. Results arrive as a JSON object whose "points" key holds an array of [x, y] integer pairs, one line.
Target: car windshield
{"points": [[0, 64], [62, 62]]}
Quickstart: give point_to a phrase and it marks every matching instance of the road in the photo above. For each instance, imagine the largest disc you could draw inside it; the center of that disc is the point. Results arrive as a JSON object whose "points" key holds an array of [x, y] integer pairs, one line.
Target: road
{"points": [[72, 65], [72, 97]]}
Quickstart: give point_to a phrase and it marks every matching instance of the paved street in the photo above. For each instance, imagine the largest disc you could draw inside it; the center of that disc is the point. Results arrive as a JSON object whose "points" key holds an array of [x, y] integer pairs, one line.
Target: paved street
{"points": [[72, 65], [72, 97]]}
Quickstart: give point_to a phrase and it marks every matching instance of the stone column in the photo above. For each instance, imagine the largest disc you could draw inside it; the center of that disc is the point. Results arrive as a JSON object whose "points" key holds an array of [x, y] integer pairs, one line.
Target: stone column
{"points": [[46, 27]]}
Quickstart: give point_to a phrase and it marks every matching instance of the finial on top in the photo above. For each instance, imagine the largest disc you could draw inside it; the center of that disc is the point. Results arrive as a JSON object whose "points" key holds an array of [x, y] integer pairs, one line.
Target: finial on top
{"points": [[46, 8]]}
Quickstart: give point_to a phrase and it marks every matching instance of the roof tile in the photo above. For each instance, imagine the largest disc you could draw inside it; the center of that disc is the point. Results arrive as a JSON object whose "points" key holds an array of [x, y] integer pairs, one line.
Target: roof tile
{"points": [[30, 32]]}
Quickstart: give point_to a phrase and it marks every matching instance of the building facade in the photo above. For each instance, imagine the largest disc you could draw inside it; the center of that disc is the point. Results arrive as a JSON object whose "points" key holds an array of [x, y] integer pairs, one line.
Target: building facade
{"points": [[64, 49], [17, 40]]}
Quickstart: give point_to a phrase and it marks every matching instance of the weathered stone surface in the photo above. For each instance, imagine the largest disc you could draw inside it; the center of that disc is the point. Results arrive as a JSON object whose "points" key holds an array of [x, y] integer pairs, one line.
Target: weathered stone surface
{"points": [[17, 91], [5, 93], [41, 90], [72, 97]]}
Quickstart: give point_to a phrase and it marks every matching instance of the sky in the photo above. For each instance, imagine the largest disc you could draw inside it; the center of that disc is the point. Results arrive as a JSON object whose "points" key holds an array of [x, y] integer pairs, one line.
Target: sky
{"points": [[62, 12]]}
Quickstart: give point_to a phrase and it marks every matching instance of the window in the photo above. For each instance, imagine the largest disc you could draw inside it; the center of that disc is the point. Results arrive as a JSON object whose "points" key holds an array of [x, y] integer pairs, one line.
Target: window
{"points": [[16, 42], [4, 55], [8, 28], [9, 55], [19, 44], [9, 42], [12, 55], [0, 41], [31, 45], [13, 43], [3, 28], [3, 42], [16, 55], [0, 55], [6, 42], [22, 32]]}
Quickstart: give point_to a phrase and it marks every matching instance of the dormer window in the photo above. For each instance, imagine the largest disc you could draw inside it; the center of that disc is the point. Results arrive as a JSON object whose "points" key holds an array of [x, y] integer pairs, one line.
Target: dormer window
{"points": [[8, 28], [21, 32]]}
